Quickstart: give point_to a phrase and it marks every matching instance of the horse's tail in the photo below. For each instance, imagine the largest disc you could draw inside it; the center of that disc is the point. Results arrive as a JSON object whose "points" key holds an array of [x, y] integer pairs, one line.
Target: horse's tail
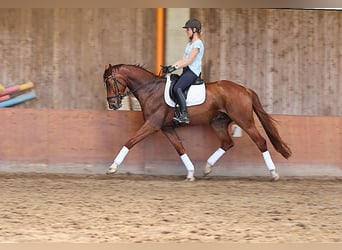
{"points": [[269, 126]]}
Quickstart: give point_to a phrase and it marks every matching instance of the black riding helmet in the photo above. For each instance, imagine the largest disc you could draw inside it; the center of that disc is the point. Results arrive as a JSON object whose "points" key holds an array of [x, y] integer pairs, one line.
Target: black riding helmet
{"points": [[193, 23]]}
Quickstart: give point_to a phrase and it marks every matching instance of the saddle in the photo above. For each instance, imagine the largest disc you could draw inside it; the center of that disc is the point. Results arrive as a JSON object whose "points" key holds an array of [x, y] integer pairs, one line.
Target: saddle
{"points": [[174, 78], [195, 94]]}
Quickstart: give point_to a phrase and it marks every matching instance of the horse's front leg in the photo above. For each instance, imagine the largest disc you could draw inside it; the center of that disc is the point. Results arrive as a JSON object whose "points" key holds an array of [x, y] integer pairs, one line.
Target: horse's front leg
{"points": [[177, 144], [142, 133]]}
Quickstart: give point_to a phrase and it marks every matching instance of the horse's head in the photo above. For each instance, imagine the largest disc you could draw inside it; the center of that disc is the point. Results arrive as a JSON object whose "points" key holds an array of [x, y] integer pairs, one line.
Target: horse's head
{"points": [[116, 86]]}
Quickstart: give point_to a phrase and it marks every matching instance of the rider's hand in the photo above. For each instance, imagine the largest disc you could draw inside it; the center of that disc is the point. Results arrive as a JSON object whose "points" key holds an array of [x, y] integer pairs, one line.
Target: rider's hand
{"points": [[168, 69]]}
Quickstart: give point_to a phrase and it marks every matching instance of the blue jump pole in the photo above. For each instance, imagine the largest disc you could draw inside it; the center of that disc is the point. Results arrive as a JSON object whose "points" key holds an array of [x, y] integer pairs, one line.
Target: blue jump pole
{"points": [[18, 99]]}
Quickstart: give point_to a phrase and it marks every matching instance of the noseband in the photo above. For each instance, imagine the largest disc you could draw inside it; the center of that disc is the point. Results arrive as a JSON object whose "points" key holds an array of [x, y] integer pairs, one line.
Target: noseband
{"points": [[116, 89]]}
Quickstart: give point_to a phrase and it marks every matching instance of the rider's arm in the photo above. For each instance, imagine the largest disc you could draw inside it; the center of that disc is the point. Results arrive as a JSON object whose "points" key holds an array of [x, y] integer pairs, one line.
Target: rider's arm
{"points": [[186, 61]]}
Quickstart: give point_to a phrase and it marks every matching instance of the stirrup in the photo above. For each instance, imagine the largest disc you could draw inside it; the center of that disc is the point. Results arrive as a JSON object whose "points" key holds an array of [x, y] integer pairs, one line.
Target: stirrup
{"points": [[181, 118]]}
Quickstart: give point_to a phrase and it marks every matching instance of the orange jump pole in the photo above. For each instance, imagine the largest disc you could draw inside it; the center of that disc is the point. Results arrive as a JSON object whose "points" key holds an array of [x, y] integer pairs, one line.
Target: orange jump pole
{"points": [[160, 38]]}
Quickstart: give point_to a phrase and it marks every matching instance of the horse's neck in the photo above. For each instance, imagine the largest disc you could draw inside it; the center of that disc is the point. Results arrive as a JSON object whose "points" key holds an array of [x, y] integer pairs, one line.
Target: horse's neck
{"points": [[139, 80], [147, 88]]}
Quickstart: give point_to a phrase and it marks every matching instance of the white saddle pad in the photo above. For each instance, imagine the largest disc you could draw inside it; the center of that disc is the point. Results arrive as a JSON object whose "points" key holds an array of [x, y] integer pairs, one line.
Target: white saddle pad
{"points": [[196, 94]]}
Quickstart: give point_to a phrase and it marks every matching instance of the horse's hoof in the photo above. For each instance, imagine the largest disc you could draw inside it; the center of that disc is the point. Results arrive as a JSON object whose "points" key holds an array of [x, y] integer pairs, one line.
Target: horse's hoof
{"points": [[207, 170], [190, 178], [275, 176], [112, 170]]}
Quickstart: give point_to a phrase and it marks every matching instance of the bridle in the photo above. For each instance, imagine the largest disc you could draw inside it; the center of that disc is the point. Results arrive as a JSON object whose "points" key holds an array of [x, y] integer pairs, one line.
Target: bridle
{"points": [[116, 89]]}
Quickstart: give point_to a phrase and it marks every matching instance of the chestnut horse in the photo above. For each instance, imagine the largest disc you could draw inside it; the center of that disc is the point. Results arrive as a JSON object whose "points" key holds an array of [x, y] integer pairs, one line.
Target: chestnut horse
{"points": [[225, 102]]}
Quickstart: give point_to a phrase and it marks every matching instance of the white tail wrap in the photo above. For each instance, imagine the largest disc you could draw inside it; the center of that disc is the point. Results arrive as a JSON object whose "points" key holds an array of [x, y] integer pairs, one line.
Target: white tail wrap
{"points": [[268, 160], [215, 156]]}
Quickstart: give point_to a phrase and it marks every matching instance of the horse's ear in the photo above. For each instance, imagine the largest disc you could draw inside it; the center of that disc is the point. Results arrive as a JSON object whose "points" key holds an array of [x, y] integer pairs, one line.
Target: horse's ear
{"points": [[106, 67]]}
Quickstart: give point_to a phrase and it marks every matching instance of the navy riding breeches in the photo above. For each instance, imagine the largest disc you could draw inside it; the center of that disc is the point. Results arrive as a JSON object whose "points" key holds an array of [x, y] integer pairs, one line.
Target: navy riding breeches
{"points": [[185, 80]]}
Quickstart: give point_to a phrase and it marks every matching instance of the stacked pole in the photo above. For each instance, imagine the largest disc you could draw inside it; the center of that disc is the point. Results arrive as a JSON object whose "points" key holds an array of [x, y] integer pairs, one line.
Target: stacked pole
{"points": [[13, 95]]}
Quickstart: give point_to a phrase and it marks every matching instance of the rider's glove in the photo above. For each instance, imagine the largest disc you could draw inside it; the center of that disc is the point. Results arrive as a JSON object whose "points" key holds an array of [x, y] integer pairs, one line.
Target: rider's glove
{"points": [[168, 69]]}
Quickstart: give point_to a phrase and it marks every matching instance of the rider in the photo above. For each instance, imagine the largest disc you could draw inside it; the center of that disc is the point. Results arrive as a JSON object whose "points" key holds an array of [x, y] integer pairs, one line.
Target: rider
{"points": [[192, 67]]}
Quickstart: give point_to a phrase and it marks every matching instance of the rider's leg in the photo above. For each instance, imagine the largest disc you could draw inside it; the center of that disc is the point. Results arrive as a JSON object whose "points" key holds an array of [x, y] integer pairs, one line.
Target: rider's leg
{"points": [[183, 112], [184, 81]]}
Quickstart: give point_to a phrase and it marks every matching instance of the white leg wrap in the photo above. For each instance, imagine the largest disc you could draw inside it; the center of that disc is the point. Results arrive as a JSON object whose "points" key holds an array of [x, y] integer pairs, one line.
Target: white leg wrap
{"points": [[268, 161], [121, 156], [188, 164], [215, 156]]}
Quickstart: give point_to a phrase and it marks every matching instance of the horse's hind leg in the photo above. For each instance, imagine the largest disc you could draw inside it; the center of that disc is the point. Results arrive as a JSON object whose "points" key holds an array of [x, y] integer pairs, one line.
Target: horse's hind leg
{"points": [[260, 141], [220, 126], [171, 134]]}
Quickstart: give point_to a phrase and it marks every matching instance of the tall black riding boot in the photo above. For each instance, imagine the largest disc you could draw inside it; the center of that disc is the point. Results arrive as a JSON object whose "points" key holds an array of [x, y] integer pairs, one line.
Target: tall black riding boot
{"points": [[182, 116]]}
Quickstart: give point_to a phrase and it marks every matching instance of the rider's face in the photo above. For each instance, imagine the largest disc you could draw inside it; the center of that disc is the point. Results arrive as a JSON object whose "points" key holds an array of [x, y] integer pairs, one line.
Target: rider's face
{"points": [[189, 32]]}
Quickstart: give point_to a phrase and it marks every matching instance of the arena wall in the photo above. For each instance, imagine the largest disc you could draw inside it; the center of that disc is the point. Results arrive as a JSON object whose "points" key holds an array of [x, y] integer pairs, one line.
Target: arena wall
{"points": [[86, 141], [64, 51], [291, 58]]}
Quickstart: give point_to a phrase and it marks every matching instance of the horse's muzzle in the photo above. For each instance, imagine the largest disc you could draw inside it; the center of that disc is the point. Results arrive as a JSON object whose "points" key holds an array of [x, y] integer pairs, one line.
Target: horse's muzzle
{"points": [[114, 106]]}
